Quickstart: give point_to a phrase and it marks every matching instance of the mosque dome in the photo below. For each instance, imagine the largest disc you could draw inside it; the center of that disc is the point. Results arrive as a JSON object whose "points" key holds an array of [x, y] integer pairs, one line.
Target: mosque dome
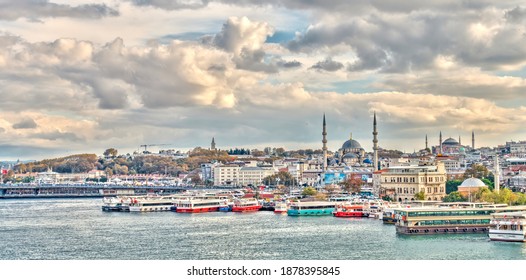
{"points": [[349, 155], [351, 144], [450, 141], [472, 183]]}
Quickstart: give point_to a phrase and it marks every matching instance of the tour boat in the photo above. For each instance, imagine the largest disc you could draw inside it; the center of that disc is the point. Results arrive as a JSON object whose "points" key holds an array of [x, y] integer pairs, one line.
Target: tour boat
{"points": [[281, 208], [311, 208], [150, 203], [200, 205], [434, 220], [509, 226], [352, 210], [246, 205]]}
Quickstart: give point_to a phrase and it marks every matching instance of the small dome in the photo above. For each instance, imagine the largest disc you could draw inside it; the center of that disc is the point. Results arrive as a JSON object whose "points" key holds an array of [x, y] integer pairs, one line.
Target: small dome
{"points": [[367, 161], [472, 183], [450, 141], [351, 144]]}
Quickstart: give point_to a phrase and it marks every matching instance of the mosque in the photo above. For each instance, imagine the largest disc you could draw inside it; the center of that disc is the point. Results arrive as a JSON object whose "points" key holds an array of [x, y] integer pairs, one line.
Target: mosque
{"points": [[351, 153], [451, 146]]}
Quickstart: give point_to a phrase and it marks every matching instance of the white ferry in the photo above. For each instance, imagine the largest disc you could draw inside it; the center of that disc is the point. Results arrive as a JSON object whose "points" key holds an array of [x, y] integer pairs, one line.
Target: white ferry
{"points": [[151, 203], [509, 226]]}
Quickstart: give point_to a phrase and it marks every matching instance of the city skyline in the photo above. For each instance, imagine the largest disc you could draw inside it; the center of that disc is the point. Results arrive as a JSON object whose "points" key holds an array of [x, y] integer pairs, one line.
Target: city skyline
{"points": [[83, 76]]}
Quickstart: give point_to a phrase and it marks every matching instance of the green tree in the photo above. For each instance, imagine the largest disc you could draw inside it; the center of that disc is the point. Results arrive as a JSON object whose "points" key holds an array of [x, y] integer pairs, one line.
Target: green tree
{"points": [[454, 197], [309, 191], [420, 195], [452, 186]]}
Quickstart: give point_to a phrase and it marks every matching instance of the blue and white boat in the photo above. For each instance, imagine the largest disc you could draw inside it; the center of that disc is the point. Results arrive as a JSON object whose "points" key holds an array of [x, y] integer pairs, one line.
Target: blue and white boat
{"points": [[311, 208]]}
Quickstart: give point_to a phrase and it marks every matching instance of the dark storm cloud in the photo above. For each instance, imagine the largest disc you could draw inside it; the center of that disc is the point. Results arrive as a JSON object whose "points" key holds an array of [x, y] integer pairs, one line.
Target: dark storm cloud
{"points": [[12, 10], [327, 65], [25, 124]]}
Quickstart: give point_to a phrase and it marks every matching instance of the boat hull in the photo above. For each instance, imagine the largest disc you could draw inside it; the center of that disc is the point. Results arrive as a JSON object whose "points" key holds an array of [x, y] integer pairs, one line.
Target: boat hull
{"points": [[251, 208], [423, 230], [507, 236], [310, 212], [342, 214], [197, 210]]}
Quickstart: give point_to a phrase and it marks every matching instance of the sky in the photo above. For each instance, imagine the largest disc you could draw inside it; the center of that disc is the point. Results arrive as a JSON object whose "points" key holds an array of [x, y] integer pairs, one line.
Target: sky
{"points": [[82, 76]]}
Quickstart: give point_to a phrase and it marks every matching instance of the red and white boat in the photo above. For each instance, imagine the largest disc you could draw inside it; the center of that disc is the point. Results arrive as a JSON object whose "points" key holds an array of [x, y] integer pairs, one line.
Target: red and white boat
{"points": [[281, 208], [352, 210], [246, 205], [200, 205]]}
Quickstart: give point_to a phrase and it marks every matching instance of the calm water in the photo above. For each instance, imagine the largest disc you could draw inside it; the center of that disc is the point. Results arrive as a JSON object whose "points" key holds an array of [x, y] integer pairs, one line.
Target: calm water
{"points": [[67, 229]]}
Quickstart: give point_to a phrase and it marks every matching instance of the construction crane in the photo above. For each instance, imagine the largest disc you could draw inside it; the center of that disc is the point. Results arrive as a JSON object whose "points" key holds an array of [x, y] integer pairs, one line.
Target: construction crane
{"points": [[151, 145]]}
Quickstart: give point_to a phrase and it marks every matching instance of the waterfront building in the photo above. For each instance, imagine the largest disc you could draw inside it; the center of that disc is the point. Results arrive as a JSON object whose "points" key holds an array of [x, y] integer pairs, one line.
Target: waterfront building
{"points": [[404, 182]]}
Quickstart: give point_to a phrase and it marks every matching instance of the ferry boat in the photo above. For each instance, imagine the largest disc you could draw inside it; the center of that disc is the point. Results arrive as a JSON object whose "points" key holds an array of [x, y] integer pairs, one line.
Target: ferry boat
{"points": [[151, 204], [200, 205], [434, 220], [281, 208], [111, 204], [388, 216], [508, 227], [311, 208], [352, 210], [246, 205]]}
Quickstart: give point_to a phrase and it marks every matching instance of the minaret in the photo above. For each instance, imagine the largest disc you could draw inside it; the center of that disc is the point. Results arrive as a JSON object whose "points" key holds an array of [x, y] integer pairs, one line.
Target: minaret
{"points": [[375, 144], [440, 139], [324, 141], [473, 140], [426, 141], [459, 142], [213, 144], [496, 179]]}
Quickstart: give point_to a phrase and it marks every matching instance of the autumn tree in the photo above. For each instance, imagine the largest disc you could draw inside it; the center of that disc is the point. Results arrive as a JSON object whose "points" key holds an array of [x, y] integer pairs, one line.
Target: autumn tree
{"points": [[477, 171], [352, 184]]}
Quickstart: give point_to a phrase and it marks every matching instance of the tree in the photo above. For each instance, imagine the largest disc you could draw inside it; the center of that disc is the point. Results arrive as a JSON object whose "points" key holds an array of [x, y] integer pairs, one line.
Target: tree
{"points": [[110, 152], [452, 186], [309, 191], [476, 171], [454, 197], [352, 185], [420, 195]]}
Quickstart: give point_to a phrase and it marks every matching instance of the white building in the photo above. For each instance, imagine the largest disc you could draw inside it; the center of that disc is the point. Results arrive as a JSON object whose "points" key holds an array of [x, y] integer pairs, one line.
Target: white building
{"points": [[226, 174]]}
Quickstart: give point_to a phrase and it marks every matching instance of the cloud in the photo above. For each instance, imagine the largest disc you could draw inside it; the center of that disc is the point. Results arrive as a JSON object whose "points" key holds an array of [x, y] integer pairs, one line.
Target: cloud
{"points": [[328, 65], [34, 10], [172, 4], [25, 124]]}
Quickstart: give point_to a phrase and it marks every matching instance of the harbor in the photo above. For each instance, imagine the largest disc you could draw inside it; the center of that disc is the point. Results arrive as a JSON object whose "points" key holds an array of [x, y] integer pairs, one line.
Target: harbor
{"points": [[73, 229]]}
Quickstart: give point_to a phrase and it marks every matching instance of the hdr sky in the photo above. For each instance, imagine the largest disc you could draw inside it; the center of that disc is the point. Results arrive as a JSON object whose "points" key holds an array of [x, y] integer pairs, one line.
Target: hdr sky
{"points": [[86, 75]]}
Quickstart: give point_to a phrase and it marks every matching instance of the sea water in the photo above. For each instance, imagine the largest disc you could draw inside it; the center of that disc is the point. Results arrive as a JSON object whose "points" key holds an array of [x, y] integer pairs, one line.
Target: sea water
{"points": [[77, 229]]}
